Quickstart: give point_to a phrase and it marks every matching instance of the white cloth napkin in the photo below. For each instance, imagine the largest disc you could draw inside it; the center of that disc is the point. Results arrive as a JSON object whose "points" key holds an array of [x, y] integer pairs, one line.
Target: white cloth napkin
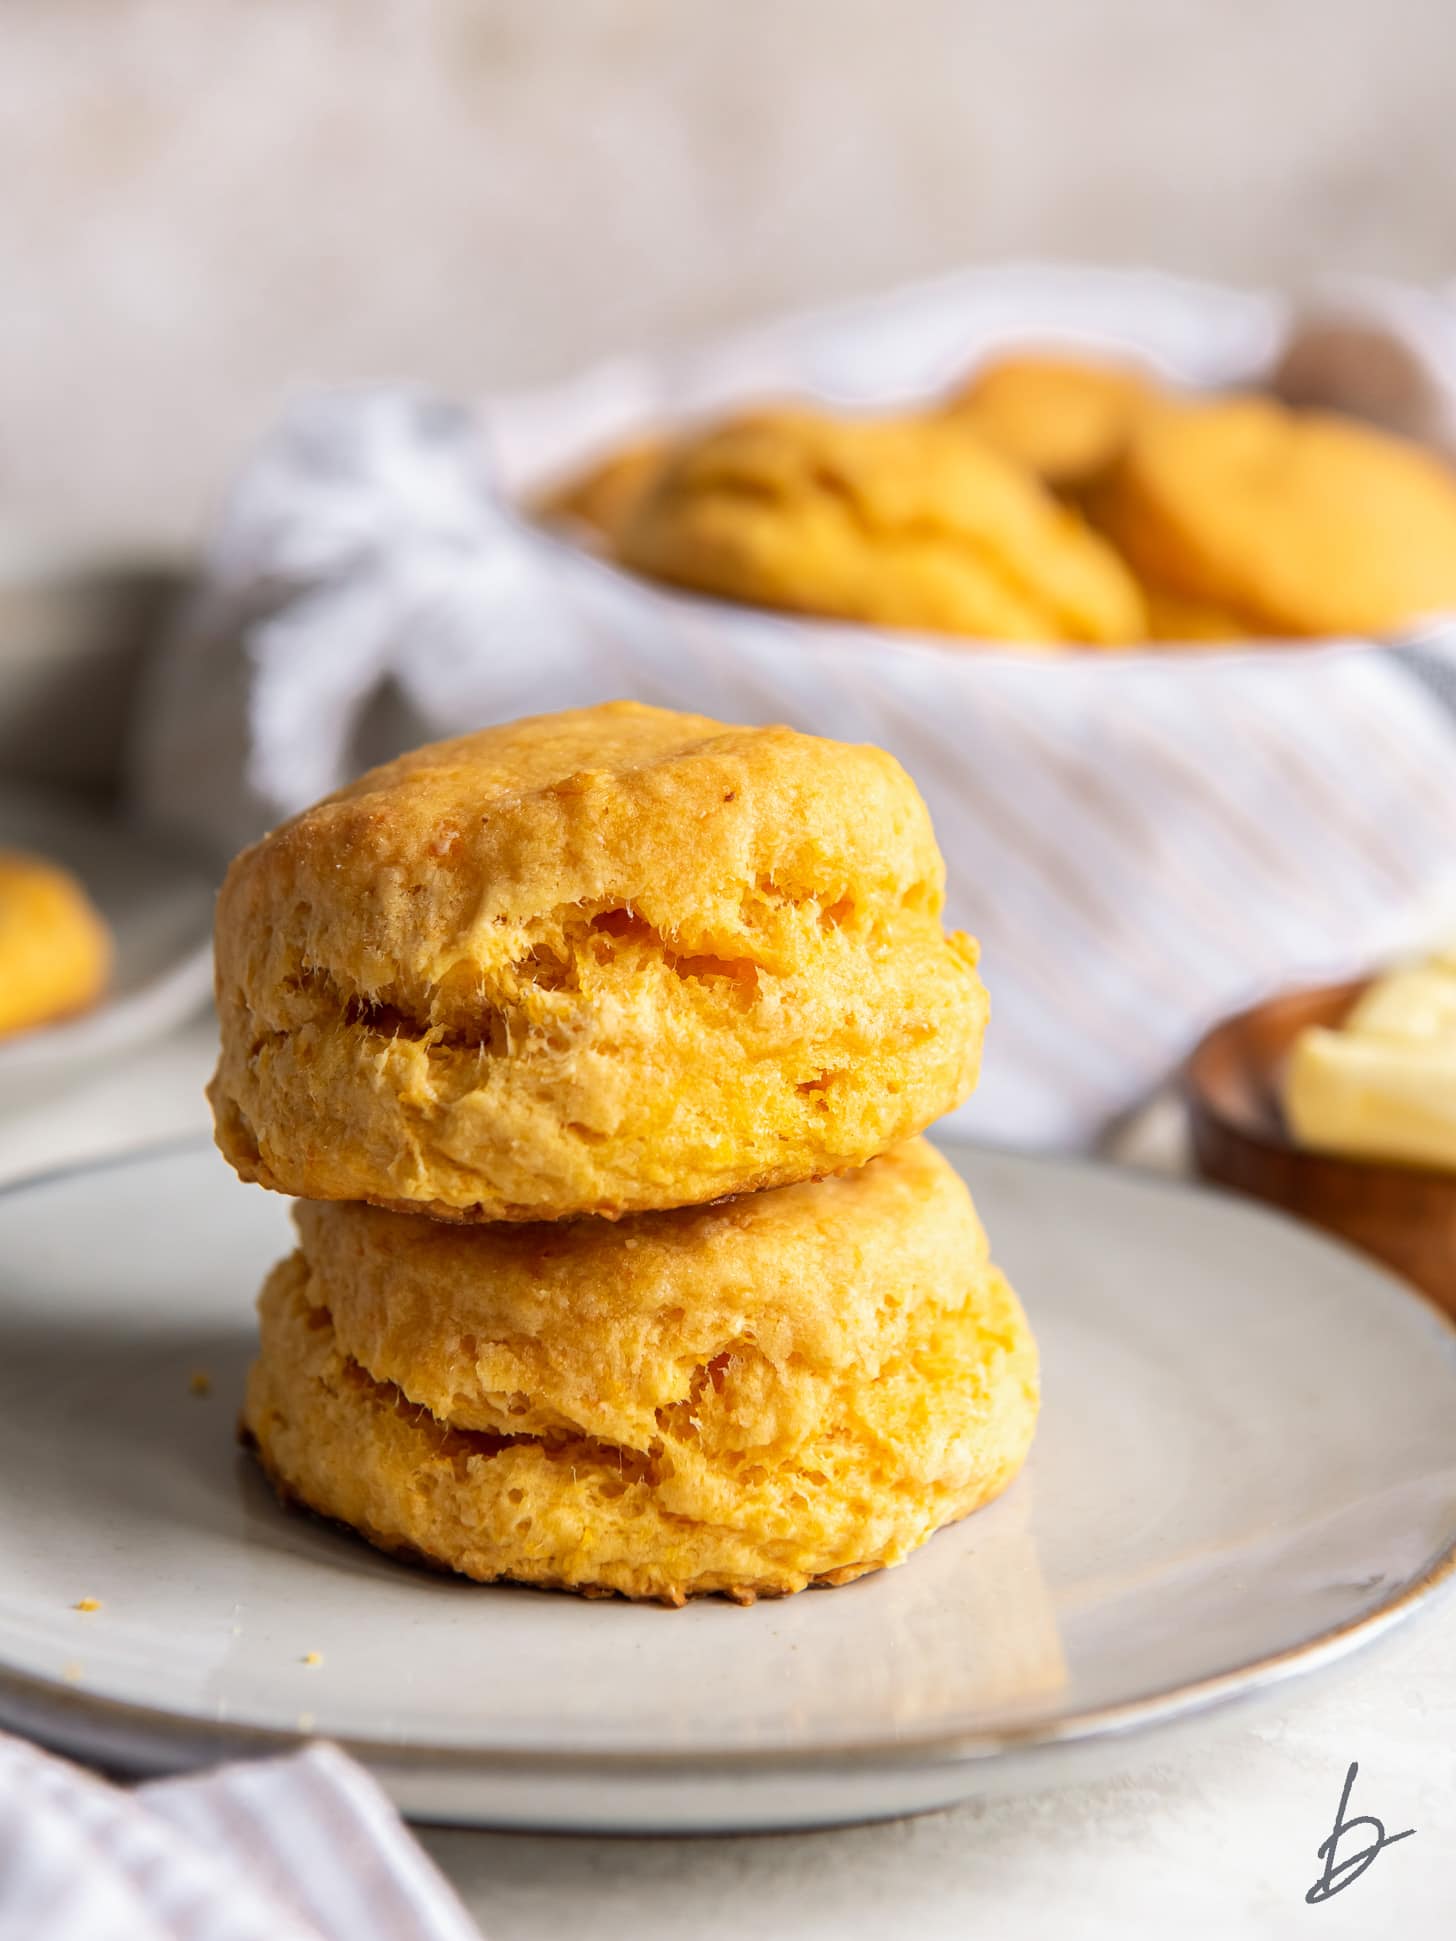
{"points": [[303, 1848], [1140, 841]]}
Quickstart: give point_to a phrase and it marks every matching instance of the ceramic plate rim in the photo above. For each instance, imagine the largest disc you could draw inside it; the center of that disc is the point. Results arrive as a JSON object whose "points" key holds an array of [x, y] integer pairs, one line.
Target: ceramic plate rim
{"points": [[162, 1739]]}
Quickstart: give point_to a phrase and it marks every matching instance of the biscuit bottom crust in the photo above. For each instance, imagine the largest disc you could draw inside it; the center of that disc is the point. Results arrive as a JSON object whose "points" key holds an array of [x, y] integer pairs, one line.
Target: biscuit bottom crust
{"points": [[929, 1436]]}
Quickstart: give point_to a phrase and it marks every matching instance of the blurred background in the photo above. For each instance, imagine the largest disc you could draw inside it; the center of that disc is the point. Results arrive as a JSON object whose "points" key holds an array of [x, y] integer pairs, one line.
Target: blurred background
{"points": [[205, 205], [215, 211]]}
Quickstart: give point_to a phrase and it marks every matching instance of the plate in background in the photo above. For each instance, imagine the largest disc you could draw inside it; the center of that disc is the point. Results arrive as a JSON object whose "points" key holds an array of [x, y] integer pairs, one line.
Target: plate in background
{"points": [[159, 908], [1246, 1467], [77, 627]]}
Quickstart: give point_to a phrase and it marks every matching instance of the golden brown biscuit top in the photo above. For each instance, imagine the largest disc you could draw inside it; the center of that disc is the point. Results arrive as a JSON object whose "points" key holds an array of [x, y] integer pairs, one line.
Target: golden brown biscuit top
{"points": [[896, 475], [895, 520], [453, 855], [1065, 418], [1295, 521]]}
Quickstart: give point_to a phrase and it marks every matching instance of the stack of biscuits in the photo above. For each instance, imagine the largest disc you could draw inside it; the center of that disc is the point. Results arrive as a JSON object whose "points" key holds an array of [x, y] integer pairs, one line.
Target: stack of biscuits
{"points": [[596, 1049]]}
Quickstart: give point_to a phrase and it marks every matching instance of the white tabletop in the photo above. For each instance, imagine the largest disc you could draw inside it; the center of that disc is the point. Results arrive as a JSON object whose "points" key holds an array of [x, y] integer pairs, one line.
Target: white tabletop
{"points": [[1214, 1833]]}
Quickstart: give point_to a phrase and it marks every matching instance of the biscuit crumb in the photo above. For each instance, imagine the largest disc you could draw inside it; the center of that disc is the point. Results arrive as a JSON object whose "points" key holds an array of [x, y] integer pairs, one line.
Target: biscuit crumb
{"points": [[73, 1672], [87, 1604], [305, 1721], [199, 1382], [313, 1657]]}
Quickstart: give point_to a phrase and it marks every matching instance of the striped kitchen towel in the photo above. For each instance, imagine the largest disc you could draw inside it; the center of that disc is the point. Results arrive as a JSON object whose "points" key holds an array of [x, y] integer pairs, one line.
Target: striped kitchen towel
{"points": [[1140, 841], [303, 1848]]}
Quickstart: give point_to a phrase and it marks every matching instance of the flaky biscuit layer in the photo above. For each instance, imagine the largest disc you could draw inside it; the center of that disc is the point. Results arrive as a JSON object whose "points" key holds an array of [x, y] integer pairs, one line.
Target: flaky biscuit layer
{"points": [[749, 1399], [603, 961]]}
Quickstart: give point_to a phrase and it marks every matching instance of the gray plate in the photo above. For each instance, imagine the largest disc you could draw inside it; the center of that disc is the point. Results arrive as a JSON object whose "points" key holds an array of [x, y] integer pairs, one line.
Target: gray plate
{"points": [[1246, 1468]]}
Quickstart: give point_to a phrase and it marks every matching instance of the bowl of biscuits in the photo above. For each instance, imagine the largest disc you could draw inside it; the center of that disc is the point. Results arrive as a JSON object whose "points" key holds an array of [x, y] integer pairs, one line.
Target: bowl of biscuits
{"points": [[1050, 501], [1145, 583]]}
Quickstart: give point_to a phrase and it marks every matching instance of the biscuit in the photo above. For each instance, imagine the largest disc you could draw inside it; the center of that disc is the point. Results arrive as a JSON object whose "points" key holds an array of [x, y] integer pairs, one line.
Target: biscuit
{"points": [[594, 962], [793, 1388], [1290, 523], [55, 948], [1065, 418], [1175, 619], [905, 522], [604, 496]]}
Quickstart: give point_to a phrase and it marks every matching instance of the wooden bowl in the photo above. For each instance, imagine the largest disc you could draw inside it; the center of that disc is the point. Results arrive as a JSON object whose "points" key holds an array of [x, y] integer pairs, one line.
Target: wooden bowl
{"points": [[1402, 1215]]}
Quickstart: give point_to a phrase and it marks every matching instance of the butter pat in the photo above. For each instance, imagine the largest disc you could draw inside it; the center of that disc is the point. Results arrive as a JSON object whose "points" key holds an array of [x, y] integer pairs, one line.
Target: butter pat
{"points": [[1383, 1086]]}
